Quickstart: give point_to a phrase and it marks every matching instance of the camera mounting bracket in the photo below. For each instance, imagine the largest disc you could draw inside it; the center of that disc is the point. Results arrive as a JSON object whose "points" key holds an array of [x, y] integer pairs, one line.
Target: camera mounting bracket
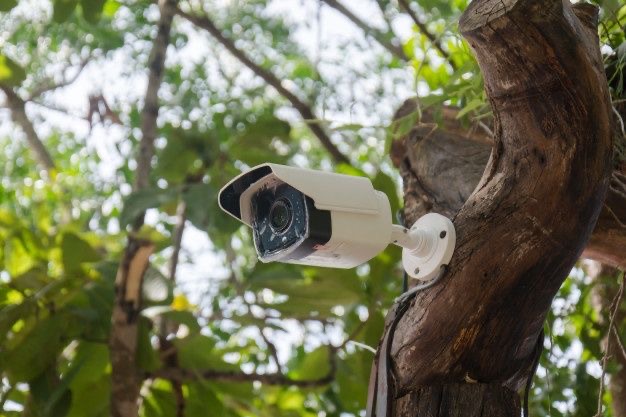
{"points": [[427, 245]]}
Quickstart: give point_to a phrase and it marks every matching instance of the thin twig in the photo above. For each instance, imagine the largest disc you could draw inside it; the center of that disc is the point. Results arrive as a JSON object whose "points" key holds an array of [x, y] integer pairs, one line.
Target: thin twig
{"points": [[614, 308], [177, 235], [486, 128], [17, 105], [612, 213], [51, 85], [621, 121], [352, 335], [380, 37], [57, 109], [422, 27], [177, 240], [619, 341], [272, 349], [304, 109]]}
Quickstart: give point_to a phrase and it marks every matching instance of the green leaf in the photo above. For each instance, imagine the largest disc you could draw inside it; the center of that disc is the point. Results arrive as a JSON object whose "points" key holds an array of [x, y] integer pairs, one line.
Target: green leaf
{"points": [[147, 357], [405, 124], [384, 183], [314, 365], [35, 351], [91, 363], [198, 351], [7, 5], [76, 251], [51, 397], [92, 10], [472, 105], [373, 328], [193, 351], [201, 203], [201, 394], [176, 316], [10, 314], [351, 372], [11, 73], [110, 7], [91, 399], [318, 291], [63, 9], [139, 201], [17, 257], [176, 159], [160, 401]]}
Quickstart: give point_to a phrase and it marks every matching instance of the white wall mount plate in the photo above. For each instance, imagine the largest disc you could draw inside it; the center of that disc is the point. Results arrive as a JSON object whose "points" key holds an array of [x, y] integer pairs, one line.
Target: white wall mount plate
{"points": [[436, 242]]}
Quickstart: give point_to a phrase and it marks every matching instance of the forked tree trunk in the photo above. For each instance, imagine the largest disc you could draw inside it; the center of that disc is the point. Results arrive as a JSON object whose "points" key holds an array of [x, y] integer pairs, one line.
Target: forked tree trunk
{"points": [[442, 166], [466, 345]]}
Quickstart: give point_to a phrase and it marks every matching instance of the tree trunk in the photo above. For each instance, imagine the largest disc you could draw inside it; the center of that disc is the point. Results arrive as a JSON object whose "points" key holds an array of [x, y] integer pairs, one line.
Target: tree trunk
{"points": [[460, 400], [526, 222], [442, 167]]}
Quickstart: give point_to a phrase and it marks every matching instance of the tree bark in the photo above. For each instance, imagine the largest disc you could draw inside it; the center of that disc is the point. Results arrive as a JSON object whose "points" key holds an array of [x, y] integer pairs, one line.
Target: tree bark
{"points": [[528, 219], [442, 167], [460, 400]]}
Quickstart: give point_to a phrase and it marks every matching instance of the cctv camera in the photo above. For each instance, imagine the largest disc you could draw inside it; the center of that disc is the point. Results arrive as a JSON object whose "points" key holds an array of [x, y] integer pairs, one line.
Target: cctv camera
{"points": [[319, 218]]}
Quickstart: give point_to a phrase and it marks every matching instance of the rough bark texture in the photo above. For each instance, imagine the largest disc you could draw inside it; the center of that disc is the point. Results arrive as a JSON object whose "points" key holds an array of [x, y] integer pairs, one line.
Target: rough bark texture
{"points": [[446, 164], [125, 376], [460, 400], [529, 218]]}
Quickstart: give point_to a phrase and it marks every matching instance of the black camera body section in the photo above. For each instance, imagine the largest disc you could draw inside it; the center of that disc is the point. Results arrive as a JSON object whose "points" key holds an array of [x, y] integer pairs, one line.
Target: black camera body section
{"points": [[287, 225]]}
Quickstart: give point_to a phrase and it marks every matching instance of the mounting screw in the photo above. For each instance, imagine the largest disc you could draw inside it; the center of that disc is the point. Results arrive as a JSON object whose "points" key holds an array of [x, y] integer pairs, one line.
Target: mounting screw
{"points": [[443, 234]]}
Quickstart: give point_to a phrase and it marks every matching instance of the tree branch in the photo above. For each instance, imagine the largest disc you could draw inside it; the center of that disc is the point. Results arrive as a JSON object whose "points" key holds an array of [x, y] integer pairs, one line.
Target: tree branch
{"points": [[422, 27], [380, 37], [179, 229], [125, 376], [304, 109], [150, 111], [165, 326], [51, 85], [272, 348], [441, 170], [182, 375], [18, 113]]}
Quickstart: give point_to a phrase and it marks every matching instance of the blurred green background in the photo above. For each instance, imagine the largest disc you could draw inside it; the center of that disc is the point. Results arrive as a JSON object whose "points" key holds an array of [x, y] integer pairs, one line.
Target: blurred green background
{"points": [[74, 76]]}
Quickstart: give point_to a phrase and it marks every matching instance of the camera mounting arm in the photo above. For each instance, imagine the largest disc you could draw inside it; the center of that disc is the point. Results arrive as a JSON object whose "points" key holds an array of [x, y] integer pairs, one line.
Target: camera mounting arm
{"points": [[427, 245]]}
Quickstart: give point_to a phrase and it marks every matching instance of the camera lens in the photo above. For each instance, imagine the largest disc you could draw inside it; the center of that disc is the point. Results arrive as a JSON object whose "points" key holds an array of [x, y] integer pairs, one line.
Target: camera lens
{"points": [[280, 215]]}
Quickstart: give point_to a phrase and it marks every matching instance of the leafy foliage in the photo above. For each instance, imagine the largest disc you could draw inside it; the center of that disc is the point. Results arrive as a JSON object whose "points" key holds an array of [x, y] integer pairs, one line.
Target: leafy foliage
{"points": [[63, 233]]}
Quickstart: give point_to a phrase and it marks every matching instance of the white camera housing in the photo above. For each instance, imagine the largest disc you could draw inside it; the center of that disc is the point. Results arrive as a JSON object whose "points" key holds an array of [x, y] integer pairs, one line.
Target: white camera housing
{"points": [[318, 218]]}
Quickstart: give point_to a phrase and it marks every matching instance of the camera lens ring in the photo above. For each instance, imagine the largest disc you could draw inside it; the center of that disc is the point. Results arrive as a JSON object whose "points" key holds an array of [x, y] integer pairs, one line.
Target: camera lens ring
{"points": [[280, 215]]}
